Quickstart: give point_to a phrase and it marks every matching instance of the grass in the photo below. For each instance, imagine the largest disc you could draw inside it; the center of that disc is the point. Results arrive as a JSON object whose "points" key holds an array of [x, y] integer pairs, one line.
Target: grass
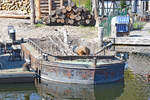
{"points": [[129, 75], [138, 25], [85, 3], [39, 25], [89, 27]]}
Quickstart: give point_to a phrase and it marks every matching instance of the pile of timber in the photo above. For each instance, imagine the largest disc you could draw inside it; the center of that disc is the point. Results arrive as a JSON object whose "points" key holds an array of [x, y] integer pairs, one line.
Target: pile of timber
{"points": [[70, 16], [16, 5]]}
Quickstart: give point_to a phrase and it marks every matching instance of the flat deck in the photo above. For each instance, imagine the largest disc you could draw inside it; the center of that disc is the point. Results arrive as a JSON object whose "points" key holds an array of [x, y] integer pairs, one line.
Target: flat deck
{"points": [[134, 41], [132, 49], [12, 71], [16, 76]]}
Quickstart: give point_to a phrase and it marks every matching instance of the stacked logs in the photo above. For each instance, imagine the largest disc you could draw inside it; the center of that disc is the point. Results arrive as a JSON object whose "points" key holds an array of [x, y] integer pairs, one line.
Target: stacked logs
{"points": [[70, 16], [16, 5]]}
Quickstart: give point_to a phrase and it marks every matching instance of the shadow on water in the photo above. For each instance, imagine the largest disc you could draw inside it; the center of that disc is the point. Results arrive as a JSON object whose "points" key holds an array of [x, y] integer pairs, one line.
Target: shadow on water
{"points": [[60, 91], [26, 91]]}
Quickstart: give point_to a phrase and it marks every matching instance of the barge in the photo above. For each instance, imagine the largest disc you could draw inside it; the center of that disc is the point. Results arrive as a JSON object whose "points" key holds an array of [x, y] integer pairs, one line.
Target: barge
{"points": [[73, 68]]}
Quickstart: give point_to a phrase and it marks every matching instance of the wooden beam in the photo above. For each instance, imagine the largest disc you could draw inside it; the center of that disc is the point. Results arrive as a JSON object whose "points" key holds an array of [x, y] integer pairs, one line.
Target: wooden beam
{"points": [[50, 6], [32, 16], [61, 3], [15, 16], [136, 49], [38, 10], [134, 41]]}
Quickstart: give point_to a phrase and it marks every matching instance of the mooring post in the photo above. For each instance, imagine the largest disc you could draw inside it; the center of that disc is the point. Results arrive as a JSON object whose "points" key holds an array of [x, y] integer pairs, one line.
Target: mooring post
{"points": [[32, 15], [95, 61], [100, 36]]}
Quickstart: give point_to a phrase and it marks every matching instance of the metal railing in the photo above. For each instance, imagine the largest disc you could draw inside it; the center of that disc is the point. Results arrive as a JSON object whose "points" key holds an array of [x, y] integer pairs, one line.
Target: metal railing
{"points": [[36, 47]]}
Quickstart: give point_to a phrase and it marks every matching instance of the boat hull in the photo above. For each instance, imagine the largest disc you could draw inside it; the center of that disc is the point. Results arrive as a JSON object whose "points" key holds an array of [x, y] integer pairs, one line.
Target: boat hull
{"points": [[75, 69], [100, 74]]}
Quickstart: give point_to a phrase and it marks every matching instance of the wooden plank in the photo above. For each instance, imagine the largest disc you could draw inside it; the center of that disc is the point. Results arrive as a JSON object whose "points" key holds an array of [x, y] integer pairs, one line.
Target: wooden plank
{"points": [[14, 16], [132, 49], [131, 41]]}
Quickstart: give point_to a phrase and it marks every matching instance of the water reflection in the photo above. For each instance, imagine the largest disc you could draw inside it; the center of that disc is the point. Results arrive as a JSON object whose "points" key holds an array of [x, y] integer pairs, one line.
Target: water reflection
{"points": [[60, 91], [18, 92]]}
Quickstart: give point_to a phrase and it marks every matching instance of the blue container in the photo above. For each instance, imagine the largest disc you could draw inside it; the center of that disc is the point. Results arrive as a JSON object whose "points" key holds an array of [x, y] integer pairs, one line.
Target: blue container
{"points": [[122, 23], [122, 27], [122, 20]]}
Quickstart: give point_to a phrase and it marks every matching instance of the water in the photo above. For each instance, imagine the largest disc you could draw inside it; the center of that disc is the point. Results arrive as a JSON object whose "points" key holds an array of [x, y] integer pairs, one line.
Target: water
{"points": [[132, 88]]}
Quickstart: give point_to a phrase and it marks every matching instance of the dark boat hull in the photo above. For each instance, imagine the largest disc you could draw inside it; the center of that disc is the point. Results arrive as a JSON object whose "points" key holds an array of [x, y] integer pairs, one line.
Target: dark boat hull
{"points": [[100, 74]]}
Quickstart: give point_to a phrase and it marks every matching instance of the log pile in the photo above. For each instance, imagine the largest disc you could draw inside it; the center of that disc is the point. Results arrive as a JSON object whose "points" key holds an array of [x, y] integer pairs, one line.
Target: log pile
{"points": [[70, 15], [16, 5]]}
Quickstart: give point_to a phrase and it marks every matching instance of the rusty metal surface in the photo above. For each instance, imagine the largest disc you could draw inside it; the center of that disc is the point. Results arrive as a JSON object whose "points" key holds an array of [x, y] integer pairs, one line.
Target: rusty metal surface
{"points": [[104, 74]]}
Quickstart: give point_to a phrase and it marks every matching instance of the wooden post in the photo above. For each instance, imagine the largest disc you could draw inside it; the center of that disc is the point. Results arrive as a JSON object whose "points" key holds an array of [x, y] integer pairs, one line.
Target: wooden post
{"points": [[100, 36], [38, 10], [32, 16], [50, 6], [95, 9], [61, 3]]}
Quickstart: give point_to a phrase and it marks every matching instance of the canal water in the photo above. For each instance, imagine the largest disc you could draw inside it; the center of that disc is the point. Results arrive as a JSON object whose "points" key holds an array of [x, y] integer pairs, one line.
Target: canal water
{"points": [[133, 87]]}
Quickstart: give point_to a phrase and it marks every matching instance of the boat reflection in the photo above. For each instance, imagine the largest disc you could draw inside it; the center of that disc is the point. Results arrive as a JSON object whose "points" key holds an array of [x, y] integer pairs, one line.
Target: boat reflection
{"points": [[60, 91], [19, 91]]}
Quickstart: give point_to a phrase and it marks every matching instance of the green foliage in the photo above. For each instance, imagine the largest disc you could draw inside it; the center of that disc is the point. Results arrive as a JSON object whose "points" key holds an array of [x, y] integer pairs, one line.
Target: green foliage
{"points": [[123, 4], [88, 5], [39, 25], [138, 25], [89, 27], [84, 3]]}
